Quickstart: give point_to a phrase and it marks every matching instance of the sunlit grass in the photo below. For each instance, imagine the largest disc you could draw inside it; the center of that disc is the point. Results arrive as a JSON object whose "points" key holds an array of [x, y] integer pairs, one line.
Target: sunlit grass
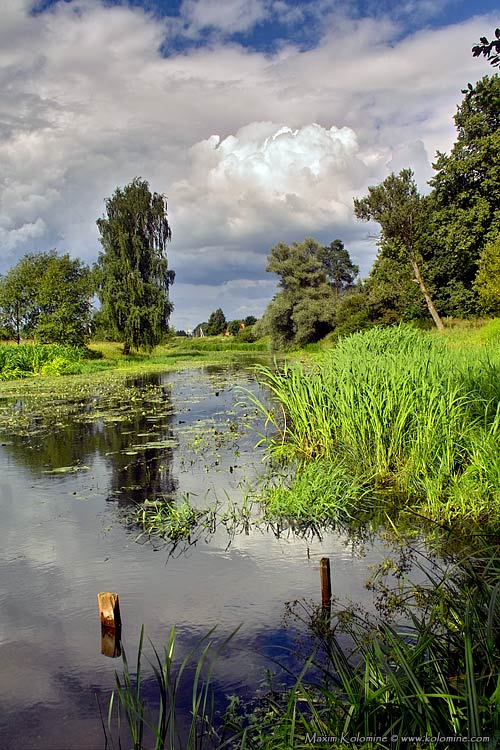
{"points": [[27, 360], [402, 410]]}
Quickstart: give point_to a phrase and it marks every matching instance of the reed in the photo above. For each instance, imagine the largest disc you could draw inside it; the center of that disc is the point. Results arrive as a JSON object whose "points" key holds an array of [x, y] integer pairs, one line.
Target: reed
{"points": [[161, 723], [398, 408], [426, 664], [436, 672], [27, 360]]}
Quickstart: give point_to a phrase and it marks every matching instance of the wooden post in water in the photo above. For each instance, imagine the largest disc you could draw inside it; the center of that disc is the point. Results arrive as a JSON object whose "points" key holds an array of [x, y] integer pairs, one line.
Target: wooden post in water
{"points": [[111, 624], [109, 610], [326, 582]]}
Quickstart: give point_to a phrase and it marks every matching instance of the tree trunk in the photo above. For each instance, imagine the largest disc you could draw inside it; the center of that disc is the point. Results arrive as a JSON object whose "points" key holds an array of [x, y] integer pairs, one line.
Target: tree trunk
{"points": [[126, 347], [430, 304]]}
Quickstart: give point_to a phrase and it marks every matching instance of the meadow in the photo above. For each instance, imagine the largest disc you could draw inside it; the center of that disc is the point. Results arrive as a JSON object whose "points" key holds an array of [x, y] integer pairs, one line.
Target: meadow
{"points": [[32, 359]]}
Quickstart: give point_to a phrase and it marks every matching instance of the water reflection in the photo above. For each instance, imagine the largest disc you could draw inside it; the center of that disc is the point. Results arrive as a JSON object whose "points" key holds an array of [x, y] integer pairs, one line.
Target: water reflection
{"points": [[131, 433], [63, 541]]}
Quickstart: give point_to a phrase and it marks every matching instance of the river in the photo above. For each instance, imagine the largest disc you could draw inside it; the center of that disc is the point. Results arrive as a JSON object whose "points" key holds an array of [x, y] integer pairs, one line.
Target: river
{"points": [[67, 484]]}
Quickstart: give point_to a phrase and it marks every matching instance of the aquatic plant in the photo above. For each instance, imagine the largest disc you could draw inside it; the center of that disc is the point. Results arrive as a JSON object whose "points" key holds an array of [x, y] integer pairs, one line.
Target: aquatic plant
{"points": [[399, 409], [159, 723], [427, 665], [26, 360], [166, 519]]}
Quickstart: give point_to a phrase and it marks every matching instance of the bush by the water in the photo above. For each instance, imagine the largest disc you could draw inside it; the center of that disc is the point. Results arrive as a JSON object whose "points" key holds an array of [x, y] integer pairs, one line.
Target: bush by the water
{"points": [[400, 409], [27, 360]]}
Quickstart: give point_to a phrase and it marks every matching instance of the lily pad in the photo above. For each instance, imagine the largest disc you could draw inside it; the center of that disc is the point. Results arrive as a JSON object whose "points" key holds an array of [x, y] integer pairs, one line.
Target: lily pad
{"points": [[168, 443], [66, 469]]}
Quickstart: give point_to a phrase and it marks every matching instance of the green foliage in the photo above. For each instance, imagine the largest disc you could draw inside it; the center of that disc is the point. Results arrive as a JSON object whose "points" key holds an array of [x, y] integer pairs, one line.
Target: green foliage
{"points": [[248, 335], [397, 408], [168, 520], [392, 296], [396, 205], [490, 50], [437, 673], [318, 492], [353, 313], [101, 327], [239, 343], [48, 296], [312, 277], [464, 206], [160, 728], [132, 272], [340, 270], [27, 360], [361, 675], [216, 323], [487, 282], [234, 327]]}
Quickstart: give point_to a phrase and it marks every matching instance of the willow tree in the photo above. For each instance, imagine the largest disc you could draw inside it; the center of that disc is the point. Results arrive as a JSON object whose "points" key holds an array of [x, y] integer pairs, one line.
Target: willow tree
{"points": [[396, 205], [132, 274]]}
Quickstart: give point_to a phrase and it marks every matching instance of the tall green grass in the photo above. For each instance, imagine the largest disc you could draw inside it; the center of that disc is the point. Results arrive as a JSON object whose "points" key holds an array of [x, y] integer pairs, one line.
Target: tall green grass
{"points": [[161, 724], [27, 360], [219, 345], [399, 409]]}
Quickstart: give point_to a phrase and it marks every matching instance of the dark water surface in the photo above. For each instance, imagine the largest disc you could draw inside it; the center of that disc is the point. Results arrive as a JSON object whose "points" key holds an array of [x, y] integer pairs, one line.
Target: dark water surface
{"points": [[65, 491]]}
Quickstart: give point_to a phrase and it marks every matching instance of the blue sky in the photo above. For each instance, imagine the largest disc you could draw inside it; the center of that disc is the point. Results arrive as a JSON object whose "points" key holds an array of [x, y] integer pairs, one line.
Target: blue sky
{"points": [[259, 119]]}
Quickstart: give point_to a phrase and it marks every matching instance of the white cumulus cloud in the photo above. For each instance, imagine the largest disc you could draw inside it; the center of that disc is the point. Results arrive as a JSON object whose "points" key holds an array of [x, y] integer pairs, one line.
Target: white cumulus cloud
{"points": [[268, 178], [229, 16], [251, 148]]}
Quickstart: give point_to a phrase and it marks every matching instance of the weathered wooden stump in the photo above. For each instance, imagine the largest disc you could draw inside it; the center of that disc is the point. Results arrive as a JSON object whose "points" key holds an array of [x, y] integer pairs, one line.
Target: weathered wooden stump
{"points": [[111, 624]]}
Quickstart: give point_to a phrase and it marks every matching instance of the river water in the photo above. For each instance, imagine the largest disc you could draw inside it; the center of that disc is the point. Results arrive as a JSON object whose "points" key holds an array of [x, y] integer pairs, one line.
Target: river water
{"points": [[66, 489]]}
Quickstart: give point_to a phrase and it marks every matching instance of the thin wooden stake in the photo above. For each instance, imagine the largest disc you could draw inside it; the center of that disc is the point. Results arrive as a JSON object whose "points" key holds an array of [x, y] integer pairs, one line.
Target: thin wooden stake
{"points": [[326, 583], [109, 610]]}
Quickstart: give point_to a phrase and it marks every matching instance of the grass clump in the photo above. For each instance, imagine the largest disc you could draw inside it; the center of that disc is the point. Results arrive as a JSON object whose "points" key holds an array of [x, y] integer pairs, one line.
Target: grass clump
{"points": [[399, 409], [165, 519], [425, 665], [159, 724], [317, 490], [26, 360]]}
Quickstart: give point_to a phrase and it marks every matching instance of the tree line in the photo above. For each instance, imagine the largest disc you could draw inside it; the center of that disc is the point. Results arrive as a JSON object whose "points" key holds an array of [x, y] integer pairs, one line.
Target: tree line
{"points": [[438, 254], [49, 297]]}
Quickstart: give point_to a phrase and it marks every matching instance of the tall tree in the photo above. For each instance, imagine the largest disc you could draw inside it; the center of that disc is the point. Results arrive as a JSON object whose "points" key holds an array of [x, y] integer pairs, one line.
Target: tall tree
{"points": [[311, 279], [234, 327], [48, 296], [487, 282], [132, 272], [338, 266], [216, 323], [464, 206], [18, 293], [396, 205]]}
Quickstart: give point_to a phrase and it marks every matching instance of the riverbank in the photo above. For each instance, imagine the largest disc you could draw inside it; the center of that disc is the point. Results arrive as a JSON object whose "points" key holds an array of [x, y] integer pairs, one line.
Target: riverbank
{"points": [[391, 414]]}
